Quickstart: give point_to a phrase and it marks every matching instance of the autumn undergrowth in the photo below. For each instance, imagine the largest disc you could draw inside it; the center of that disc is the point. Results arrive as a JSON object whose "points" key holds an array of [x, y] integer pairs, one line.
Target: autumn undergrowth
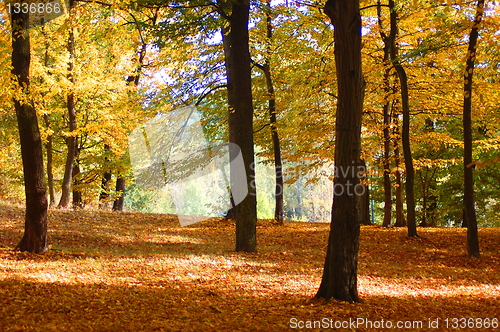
{"points": [[143, 272]]}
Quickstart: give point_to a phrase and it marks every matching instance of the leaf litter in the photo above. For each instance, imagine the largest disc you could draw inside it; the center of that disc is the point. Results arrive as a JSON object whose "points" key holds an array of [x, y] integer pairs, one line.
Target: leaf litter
{"points": [[143, 272]]}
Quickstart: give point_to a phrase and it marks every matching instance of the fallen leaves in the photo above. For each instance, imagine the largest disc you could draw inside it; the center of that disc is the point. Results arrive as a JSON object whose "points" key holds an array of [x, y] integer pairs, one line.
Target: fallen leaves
{"points": [[138, 272]]}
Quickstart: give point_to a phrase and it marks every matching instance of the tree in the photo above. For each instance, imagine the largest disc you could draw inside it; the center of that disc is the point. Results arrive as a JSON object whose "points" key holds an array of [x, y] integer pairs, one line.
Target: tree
{"points": [[470, 211], [131, 79], [71, 140], [34, 239], [403, 80], [387, 123], [241, 121], [278, 166], [340, 270], [50, 138], [400, 215]]}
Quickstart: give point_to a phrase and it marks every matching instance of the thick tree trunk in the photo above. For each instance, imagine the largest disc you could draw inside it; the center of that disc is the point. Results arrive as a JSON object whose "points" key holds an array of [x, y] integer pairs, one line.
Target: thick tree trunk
{"points": [[70, 140], [34, 239], [403, 80], [470, 210], [340, 270], [240, 122]]}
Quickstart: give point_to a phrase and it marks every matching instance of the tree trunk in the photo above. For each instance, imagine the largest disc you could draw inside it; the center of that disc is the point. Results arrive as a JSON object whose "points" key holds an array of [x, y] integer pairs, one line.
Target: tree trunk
{"points": [[50, 163], [106, 178], [387, 123], [400, 213], [299, 210], [240, 122], [403, 80], [226, 35], [364, 199], [423, 223], [387, 169], [341, 264], [470, 211], [71, 139], [121, 181], [278, 167], [120, 192], [34, 239], [77, 194], [104, 195], [50, 137]]}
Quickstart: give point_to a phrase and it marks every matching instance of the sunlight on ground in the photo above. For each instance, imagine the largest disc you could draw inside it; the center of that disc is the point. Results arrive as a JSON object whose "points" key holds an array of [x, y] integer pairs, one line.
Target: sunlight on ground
{"points": [[132, 264]]}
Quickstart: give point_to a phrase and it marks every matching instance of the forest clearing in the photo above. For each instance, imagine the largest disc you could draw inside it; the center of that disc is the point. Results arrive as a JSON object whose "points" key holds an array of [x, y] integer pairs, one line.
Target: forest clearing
{"points": [[172, 165], [143, 272]]}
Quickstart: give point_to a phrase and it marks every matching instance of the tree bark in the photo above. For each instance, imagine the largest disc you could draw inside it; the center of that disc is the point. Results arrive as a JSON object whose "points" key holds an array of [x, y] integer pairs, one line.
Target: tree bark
{"points": [[118, 203], [50, 163], [364, 199], [470, 210], [106, 178], [104, 195], [400, 213], [423, 222], [387, 164], [387, 123], [226, 35], [278, 166], [50, 137], [120, 192], [403, 80], [34, 239], [77, 194], [340, 269], [71, 139], [240, 122]]}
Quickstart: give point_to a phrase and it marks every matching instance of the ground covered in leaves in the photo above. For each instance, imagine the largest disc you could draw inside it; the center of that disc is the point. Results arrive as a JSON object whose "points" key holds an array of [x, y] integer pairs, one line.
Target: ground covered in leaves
{"points": [[137, 272]]}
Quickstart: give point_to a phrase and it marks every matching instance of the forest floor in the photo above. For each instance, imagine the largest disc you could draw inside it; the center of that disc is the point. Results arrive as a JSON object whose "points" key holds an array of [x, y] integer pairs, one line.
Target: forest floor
{"points": [[138, 272]]}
